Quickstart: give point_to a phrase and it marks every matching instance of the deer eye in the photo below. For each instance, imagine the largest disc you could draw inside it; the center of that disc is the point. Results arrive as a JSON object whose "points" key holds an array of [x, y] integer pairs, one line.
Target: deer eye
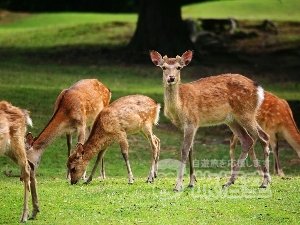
{"points": [[73, 170], [164, 68], [178, 67]]}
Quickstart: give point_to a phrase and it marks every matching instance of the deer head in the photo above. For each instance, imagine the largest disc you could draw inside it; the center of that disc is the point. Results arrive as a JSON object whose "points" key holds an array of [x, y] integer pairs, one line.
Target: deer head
{"points": [[171, 66], [76, 163]]}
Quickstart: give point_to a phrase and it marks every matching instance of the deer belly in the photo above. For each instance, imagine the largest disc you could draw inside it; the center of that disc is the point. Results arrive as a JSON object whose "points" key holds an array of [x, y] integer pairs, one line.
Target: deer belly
{"points": [[216, 118]]}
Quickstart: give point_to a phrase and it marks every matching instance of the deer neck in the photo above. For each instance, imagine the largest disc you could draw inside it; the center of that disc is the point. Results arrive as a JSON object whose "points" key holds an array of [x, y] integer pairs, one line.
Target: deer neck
{"points": [[52, 131], [173, 105], [171, 97], [98, 141]]}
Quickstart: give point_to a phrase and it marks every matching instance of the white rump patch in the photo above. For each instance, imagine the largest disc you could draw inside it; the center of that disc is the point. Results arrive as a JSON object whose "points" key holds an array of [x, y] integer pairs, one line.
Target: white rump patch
{"points": [[260, 94], [29, 121], [157, 114]]}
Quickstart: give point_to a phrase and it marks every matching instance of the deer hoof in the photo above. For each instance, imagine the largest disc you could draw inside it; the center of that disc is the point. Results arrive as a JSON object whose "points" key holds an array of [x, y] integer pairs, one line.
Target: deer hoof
{"points": [[225, 185], [177, 188], [150, 180]]}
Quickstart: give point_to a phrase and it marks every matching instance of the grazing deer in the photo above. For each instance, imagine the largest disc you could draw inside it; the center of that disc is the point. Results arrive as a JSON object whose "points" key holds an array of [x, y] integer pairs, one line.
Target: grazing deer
{"points": [[12, 130], [75, 109], [230, 99], [276, 119], [127, 115]]}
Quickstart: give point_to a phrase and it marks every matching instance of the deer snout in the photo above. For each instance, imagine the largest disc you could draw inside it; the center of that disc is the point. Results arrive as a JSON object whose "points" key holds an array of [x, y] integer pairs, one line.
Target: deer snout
{"points": [[74, 182], [170, 79]]}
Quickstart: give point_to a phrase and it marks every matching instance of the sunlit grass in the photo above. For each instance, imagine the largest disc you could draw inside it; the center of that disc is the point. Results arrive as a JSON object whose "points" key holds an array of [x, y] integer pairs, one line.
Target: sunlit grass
{"points": [[285, 10], [48, 20], [110, 34]]}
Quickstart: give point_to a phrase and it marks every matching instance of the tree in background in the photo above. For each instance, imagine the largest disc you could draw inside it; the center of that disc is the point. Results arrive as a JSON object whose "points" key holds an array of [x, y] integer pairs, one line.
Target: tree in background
{"points": [[160, 27]]}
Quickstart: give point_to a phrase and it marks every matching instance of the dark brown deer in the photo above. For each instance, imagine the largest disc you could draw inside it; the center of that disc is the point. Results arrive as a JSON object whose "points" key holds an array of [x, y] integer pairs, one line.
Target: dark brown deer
{"points": [[12, 130], [230, 99], [75, 109], [127, 115]]}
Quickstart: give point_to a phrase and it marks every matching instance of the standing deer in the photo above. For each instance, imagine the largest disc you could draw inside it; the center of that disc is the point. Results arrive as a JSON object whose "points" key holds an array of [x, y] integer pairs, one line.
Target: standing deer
{"points": [[12, 130], [75, 109], [276, 119], [229, 99], [127, 115]]}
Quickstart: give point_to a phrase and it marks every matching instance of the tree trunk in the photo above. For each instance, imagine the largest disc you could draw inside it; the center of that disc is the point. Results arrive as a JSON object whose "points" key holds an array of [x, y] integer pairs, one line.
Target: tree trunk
{"points": [[161, 28]]}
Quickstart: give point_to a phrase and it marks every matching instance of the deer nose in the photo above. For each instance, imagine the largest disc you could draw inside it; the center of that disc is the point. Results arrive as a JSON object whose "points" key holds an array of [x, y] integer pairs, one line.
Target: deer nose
{"points": [[170, 79], [74, 182]]}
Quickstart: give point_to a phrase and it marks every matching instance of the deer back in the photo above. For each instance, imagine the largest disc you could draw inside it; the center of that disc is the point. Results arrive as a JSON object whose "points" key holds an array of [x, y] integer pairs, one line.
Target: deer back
{"points": [[214, 100], [276, 118], [130, 114], [77, 106]]}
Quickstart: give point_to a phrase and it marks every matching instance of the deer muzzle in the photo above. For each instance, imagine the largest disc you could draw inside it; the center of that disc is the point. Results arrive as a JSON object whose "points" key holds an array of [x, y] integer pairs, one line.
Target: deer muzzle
{"points": [[170, 79], [74, 181]]}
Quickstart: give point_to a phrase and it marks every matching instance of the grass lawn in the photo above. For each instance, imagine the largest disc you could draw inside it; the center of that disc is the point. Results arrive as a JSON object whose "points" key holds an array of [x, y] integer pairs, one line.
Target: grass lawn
{"points": [[32, 78], [278, 10], [112, 200]]}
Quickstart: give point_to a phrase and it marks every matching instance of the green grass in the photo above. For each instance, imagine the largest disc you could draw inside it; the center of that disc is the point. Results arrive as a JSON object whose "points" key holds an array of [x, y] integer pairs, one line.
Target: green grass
{"points": [[52, 39], [34, 83], [48, 20], [113, 201], [278, 10], [286, 90]]}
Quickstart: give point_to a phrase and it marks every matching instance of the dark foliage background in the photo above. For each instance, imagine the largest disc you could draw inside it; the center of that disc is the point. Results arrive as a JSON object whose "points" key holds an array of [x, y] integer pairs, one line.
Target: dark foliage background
{"points": [[77, 5]]}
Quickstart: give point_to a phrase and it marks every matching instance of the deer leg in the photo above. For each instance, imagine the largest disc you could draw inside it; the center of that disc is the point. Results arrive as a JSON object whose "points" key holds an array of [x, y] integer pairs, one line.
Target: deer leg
{"points": [[264, 140], [154, 145], [99, 158], [102, 170], [277, 167], [274, 146], [69, 144], [81, 139], [18, 155], [25, 177], [233, 143], [246, 142], [157, 143], [255, 161], [189, 134], [124, 150], [33, 190], [192, 169]]}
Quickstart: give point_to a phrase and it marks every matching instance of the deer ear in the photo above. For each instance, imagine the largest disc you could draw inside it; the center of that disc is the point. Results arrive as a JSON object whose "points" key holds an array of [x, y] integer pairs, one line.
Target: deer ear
{"points": [[79, 150], [155, 57], [186, 57], [78, 155], [29, 139]]}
